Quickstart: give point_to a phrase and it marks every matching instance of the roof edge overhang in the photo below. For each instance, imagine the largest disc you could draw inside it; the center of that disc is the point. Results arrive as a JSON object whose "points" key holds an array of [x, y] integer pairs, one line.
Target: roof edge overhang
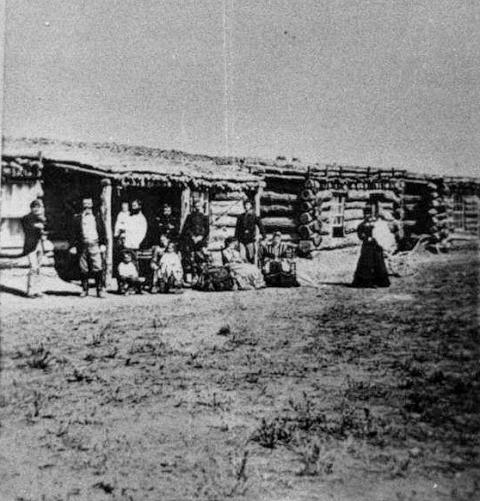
{"points": [[156, 177]]}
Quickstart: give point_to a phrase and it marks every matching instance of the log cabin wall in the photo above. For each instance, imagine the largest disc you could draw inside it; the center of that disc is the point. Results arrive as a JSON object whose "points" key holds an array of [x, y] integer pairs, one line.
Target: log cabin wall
{"points": [[462, 199], [21, 184], [279, 205], [333, 201], [225, 207]]}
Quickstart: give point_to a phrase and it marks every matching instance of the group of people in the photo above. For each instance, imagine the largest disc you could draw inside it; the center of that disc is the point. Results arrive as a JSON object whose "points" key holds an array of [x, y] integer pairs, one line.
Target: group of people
{"points": [[180, 256]]}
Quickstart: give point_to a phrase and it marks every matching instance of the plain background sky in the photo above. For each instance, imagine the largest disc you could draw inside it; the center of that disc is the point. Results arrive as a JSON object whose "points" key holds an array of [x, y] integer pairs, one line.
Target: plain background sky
{"points": [[390, 83]]}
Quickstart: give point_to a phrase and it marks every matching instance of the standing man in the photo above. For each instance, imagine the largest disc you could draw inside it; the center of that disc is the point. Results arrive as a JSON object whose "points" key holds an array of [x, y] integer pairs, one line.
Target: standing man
{"points": [[195, 232], [135, 229], [89, 241], [167, 223], [34, 229], [246, 229]]}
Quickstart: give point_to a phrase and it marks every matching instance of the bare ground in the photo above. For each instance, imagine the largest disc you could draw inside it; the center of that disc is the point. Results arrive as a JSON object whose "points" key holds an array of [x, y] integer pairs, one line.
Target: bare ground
{"points": [[326, 393]]}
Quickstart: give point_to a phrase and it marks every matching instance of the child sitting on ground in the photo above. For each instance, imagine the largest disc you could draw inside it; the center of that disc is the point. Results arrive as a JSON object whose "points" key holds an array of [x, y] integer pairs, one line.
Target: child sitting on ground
{"points": [[128, 279]]}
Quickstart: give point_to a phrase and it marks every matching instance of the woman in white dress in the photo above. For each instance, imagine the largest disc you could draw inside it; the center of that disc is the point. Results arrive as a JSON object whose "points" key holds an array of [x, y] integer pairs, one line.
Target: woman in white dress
{"points": [[245, 275]]}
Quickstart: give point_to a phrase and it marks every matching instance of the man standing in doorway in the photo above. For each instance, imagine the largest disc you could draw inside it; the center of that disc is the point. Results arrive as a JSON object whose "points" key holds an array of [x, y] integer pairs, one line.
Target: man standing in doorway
{"points": [[34, 229], [246, 229], [167, 223], [135, 229], [89, 242], [194, 239]]}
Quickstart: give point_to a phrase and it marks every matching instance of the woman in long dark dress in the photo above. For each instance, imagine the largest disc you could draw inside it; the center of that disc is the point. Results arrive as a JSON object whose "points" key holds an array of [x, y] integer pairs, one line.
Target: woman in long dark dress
{"points": [[371, 270]]}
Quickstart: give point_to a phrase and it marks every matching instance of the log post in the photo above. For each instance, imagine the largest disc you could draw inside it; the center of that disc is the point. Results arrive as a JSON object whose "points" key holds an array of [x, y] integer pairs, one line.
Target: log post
{"points": [[257, 208], [256, 201], [185, 205], [106, 204]]}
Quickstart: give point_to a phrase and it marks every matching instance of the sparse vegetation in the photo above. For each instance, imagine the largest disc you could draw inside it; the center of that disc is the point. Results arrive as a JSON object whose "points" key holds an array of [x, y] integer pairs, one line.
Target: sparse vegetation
{"points": [[286, 394], [37, 357]]}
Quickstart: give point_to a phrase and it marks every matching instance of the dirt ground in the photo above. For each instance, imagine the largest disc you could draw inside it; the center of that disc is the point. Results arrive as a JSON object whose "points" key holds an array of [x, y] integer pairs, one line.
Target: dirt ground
{"points": [[314, 393]]}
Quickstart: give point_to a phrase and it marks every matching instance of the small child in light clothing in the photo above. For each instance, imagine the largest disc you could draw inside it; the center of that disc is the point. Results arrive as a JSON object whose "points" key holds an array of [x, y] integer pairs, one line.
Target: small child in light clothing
{"points": [[170, 271], [128, 279]]}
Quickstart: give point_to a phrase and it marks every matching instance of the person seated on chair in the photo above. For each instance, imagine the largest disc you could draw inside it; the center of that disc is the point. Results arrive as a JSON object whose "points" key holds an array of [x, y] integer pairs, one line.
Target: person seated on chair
{"points": [[169, 274], [128, 279], [245, 275], [276, 262]]}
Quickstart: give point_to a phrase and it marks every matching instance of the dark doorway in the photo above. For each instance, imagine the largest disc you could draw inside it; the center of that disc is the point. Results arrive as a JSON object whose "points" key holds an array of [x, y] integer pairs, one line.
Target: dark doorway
{"points": [[152, 200]]}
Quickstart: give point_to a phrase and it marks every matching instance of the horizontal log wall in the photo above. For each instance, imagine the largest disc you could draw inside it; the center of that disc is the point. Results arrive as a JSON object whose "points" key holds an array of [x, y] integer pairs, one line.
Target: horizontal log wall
{"points": [[279, 204], [279, 223], [272, 197], [225, 207]]}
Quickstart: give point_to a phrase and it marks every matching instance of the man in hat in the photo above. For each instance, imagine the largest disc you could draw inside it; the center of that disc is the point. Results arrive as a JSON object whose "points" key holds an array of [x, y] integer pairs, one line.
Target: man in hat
{"points": [[34, 229], [194, 238], [246, 231], [89, 241]]}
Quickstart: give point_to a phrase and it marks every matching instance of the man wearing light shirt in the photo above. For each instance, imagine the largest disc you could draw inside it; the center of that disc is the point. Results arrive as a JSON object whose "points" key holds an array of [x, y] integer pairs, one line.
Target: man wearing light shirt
{"points": [[135, 228], [89, 240]]}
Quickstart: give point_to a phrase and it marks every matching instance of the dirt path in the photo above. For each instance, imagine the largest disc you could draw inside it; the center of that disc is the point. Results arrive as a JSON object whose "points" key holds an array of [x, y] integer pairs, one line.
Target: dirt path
{"points": [[320, 393]]}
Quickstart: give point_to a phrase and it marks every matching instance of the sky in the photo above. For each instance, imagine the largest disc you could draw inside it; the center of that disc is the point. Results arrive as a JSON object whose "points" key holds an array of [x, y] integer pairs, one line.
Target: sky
{"points": [[385, 83]]}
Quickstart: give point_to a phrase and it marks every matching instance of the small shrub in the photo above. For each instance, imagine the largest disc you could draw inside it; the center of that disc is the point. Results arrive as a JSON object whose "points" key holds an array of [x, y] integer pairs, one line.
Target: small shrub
{"points": [[271, 434], [317, 455], [224, 331], [38, 357], [222, 478]]}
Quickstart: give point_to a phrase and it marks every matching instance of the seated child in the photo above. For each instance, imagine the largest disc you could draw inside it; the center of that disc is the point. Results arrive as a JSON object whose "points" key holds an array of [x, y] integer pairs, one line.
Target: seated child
{"points": [[128, 279], [158, 252], [170, 271]]}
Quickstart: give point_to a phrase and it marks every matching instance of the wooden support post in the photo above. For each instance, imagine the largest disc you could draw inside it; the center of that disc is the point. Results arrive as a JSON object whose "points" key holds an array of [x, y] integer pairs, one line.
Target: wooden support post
{"points": [[257, 208], [106, 204], [184, 205], [257, 201]]}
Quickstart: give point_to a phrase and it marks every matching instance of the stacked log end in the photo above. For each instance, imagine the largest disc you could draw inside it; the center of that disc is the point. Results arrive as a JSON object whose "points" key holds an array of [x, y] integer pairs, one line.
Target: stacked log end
{"points": [[441, 212], [428, 210], [309, 219]]}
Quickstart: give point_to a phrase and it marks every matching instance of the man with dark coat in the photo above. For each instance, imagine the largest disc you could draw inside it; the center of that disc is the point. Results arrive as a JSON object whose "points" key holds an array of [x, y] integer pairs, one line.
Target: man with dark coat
{"points": [[194, 238], [246, 231], [34, 229], [89, 241], [167, 223]]}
